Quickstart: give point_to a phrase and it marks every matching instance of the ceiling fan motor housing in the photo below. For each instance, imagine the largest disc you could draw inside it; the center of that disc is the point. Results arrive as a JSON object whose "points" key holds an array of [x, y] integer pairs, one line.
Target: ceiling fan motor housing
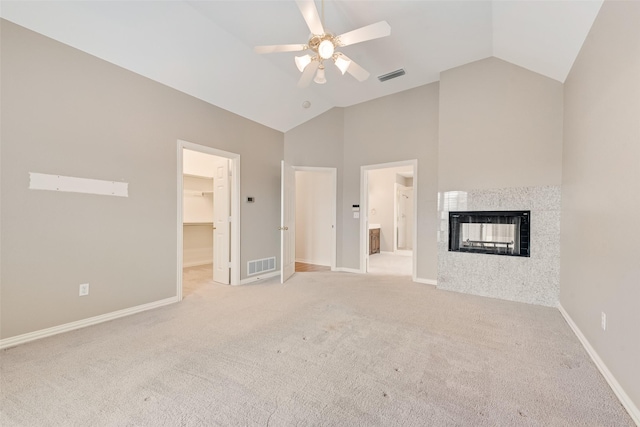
{"points": [[316, 41]]}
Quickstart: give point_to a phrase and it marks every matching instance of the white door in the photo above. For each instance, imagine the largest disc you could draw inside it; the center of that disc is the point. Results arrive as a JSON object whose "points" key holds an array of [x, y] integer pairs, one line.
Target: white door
{"points": [[221, 221], [287, 223]]}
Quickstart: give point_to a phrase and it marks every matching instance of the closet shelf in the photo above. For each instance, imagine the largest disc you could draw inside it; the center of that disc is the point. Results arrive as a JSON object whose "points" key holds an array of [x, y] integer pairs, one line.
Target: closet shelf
{"points": [[196, 193], [198, 223]]}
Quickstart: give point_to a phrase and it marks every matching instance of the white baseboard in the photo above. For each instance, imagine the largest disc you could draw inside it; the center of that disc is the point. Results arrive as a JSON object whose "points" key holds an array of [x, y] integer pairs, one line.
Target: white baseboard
{"points": [[260, 277], [426, 281], [309, 261], [43, 333], [347, 270], [631, 408]]}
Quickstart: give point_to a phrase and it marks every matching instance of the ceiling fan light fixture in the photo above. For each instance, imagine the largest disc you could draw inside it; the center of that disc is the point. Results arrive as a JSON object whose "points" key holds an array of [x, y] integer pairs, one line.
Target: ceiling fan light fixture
{"points": [[320, 78], [342, 64], [325, 49], [322, 46], [302, 62]]}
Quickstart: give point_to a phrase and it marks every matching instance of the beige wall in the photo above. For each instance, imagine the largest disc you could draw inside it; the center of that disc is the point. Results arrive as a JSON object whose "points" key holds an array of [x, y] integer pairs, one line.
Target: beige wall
{"points": [[601, 192], [66, 112], [500, 126], [501, 148], [403, 126], [319, 143], [398, 127]]}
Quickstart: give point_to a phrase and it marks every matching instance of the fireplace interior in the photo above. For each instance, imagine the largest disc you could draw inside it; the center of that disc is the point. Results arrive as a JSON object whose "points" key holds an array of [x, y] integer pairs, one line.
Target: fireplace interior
{"points": [[490, 232]]}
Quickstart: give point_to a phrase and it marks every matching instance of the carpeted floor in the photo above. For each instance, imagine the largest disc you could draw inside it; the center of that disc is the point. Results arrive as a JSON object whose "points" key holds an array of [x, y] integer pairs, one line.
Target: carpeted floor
{"points": [[332, 349], [390, 264]]}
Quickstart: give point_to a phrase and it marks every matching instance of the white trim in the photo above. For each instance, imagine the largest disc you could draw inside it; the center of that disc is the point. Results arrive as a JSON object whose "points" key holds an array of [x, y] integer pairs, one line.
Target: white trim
{"points": [[395, 216], [387, 253], [626, 401], [180, 207], [72, 184], [364, 220], [260, 277], [310, 261], [235, 208], [43, 333], [426, 281], [347, 270], [364, 210], [414, 250], [334, 207]]}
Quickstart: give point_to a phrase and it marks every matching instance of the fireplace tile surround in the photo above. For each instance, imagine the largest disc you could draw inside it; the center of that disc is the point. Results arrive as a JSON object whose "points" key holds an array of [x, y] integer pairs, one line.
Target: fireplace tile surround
{"points": [[534, 279]]}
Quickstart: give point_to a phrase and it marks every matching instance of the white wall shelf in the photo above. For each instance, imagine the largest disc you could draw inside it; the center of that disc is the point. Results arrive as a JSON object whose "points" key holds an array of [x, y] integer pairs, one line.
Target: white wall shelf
{"points": [[196, 193]]}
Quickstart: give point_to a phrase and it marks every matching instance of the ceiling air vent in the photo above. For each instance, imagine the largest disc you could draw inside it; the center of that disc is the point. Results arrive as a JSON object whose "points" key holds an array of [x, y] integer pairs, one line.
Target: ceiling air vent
{"points": [[391, 75]]}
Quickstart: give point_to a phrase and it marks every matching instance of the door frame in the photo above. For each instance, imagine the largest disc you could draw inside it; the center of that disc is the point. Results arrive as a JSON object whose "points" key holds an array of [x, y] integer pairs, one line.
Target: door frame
{"points": [[235, 208], [334, 206], [364, 213], [287, 221]]}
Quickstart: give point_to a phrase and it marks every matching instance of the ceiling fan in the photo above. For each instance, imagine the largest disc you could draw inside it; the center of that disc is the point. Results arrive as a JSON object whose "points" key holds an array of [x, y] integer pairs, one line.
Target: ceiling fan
{"points": [[323, 46]]}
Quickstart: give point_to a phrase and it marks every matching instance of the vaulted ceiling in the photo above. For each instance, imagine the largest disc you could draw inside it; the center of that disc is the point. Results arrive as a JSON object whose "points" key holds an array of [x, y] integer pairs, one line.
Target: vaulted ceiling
{"points": [[205, 48]]}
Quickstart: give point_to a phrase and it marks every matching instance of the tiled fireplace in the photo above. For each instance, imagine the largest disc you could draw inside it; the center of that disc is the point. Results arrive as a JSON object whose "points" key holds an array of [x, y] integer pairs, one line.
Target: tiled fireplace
{"points": [[522, 223]]}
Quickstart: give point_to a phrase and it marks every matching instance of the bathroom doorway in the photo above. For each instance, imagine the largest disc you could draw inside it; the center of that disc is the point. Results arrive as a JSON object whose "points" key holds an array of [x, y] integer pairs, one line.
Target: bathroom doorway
{"points": [[387, 218]]}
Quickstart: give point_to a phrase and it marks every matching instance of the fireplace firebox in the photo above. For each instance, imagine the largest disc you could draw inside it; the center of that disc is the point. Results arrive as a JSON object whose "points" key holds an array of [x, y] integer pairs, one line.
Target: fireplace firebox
{"points": [[490, 232]]}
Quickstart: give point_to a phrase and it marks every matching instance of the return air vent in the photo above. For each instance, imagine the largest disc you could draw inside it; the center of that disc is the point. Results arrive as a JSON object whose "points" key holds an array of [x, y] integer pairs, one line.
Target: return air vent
{"points": [[391, 75], [261, 265]]}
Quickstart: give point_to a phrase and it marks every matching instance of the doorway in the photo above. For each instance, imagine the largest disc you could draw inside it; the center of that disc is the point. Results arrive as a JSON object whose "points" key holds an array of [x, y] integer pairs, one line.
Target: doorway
{"points": [[318, 189], [315, 219], [388, 212], [208, 216]]}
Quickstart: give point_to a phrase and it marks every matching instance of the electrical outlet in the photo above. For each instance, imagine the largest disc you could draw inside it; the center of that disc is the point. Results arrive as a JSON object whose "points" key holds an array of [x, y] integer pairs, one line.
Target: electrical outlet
{"points": [[84, 289], [603, 321]]}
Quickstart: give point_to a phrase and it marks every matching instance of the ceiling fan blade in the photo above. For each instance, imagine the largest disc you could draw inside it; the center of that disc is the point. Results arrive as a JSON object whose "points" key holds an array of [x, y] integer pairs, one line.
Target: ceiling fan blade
{"points": [[308, 73], [280, 48], [370, 32], [355, 70], [310, 15]]}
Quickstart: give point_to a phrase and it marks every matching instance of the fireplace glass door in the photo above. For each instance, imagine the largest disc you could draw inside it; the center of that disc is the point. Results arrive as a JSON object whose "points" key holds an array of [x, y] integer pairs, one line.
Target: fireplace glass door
{"points": [[490, 232]]}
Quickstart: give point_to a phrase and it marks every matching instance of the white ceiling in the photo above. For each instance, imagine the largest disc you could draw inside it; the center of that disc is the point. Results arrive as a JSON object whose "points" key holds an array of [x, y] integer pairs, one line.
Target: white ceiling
{"points": [[205, 48]]}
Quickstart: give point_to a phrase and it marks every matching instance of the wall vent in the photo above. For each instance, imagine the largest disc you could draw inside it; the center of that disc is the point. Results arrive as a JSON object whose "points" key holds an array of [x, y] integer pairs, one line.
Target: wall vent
{"points": [[391, 75], [261, 265]]}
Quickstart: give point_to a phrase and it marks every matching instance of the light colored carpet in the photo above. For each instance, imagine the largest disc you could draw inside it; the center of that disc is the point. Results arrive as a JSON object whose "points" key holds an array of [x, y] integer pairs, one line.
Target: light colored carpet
{"points": [[390, 264], [332, 349]]}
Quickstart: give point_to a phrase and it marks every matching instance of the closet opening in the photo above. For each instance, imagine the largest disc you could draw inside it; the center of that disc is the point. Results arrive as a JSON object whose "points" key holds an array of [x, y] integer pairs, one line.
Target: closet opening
{"points": [[208, 217]]}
